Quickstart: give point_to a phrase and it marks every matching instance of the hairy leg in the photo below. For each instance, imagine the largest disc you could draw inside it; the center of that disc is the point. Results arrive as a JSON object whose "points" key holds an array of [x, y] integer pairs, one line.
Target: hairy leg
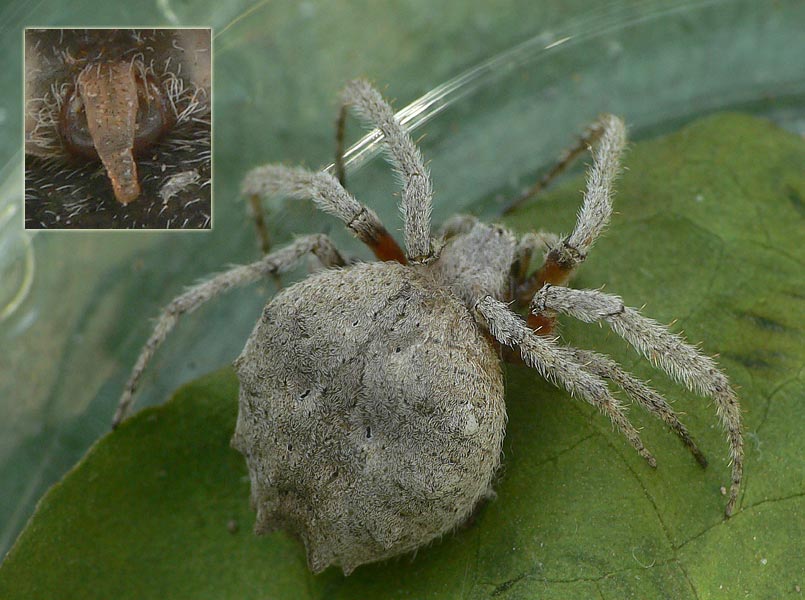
{"points": [[567, 158], [256, 207], [276, 262], [567, 253], [640, 393], [417, 192], [330, 197], [570, 251], [664, 349], [558, 365]]}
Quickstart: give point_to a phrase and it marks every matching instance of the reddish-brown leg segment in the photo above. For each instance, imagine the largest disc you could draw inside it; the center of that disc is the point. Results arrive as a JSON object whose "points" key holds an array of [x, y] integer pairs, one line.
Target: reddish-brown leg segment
{"points": [[554, 271], [379, 240], [386, 247]]}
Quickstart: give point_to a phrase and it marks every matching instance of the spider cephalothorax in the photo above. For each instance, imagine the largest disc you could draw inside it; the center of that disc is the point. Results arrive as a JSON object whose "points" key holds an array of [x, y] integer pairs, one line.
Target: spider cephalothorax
{"points": [[371, 400]]}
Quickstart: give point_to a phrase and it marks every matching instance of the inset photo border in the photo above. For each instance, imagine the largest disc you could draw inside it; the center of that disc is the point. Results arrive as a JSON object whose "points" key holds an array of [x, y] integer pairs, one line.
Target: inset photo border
{"points": [[118, 128]]}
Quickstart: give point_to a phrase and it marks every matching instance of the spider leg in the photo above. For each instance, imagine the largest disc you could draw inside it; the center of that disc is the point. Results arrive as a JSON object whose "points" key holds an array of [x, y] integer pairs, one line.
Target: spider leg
{"points": [[590, 135], [330, 197], [276, 262], [258, 214], [664, 349], [558, 365], [569, 252], [417, 192], [256, 207], [639, 392], [340, 131]]}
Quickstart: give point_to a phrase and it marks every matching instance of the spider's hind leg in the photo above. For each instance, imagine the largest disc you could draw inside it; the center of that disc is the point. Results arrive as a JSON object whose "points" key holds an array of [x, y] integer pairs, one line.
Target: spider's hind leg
{"points": [[201, 293]]}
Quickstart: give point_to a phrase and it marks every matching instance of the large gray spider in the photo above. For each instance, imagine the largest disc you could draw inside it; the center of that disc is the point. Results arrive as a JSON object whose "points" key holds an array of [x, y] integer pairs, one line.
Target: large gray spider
{"points": [[371, 394]]}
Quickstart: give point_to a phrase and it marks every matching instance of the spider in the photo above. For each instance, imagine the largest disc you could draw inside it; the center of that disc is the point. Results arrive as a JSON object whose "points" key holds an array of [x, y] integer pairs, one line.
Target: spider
{"points": [[371, 405]]}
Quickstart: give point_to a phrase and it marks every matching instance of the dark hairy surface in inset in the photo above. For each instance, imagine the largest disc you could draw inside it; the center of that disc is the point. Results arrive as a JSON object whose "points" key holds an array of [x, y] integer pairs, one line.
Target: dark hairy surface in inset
{"points": [[65, 189]]}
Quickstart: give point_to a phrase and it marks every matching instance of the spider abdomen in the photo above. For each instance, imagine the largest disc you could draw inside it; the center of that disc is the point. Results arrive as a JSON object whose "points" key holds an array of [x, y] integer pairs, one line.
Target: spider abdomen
{"points": [[371, 413]]}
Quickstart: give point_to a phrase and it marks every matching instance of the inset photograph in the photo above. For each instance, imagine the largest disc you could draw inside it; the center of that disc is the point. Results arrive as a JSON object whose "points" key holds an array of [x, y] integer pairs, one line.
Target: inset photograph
{"points": [[118, 129]]}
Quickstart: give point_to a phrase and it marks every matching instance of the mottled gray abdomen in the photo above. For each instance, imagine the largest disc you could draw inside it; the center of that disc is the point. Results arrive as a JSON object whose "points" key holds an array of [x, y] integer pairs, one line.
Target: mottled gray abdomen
{"points": [[371, 413]]}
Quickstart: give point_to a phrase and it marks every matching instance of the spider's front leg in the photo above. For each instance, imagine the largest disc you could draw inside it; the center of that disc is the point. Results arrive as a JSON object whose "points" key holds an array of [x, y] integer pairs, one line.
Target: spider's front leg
{"points": [[664, 349], [595, 363], [277, 262], [569, 252], [567, 158]]}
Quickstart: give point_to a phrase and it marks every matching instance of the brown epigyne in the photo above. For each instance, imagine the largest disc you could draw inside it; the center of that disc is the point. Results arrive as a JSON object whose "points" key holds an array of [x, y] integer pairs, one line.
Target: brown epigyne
{"points": [[116, 104]]}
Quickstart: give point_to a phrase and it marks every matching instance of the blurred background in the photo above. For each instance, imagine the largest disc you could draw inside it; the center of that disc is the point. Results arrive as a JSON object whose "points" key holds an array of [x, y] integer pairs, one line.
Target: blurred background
{"points": [[498, 89]]}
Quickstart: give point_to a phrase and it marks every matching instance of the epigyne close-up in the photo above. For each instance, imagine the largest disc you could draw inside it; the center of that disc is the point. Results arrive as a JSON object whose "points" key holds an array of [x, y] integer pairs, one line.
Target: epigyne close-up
{"points": [[421, 214], [131, 104]]}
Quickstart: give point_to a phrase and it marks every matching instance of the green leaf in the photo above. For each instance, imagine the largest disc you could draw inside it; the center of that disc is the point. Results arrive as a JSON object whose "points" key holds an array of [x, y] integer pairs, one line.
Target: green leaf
{"points": [[709, 230]]}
